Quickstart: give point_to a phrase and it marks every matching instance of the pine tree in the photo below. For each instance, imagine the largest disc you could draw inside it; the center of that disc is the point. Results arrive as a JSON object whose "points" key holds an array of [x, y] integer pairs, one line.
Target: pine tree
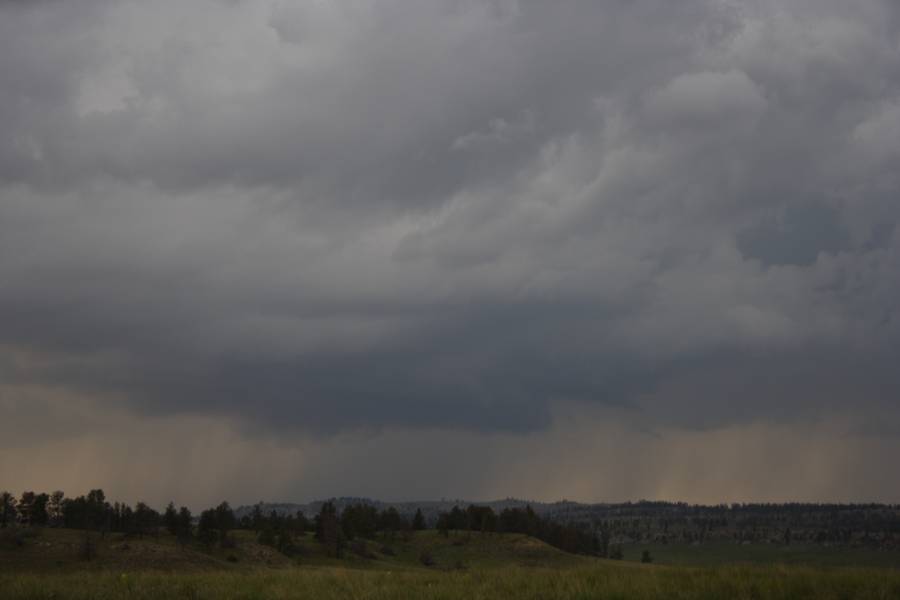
{"points": [[418, 523], [7, 509], [328, 530], [170, 519], [185, 526], [206, 529]]}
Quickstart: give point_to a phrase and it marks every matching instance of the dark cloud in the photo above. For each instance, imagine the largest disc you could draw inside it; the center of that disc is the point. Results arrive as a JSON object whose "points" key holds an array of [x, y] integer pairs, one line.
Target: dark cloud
{"points": [[453, 214], [797, 237]]}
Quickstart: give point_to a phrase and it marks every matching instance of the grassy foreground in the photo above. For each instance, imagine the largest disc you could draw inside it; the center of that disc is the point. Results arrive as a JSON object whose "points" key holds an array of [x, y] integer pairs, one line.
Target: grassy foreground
{"points": [[604, 581], [495, 567]]}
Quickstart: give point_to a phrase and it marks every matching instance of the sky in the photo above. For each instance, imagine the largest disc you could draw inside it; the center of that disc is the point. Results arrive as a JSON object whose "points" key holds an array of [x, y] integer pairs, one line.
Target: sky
{"points": [[596, 250]]}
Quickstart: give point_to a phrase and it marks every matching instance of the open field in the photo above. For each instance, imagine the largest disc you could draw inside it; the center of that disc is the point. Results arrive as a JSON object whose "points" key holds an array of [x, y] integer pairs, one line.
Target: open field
{"points": [[600, 580], [492, 566], [728, 553]]}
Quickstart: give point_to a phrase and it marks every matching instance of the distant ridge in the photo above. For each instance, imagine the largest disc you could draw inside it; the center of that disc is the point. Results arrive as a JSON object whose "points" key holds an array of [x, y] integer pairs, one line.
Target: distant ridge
{"points": [[567, 511], [561, 510]]}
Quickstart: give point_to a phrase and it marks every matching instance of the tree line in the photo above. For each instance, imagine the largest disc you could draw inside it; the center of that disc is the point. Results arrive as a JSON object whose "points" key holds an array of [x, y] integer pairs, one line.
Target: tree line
{"points": [[335, 530]]}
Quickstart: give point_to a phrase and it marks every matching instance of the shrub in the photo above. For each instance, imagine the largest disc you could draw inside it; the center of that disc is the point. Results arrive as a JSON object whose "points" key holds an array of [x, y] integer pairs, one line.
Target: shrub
{"points": [[267, 537], [12, 536], [88, 548], [360, 548], [426, 558]]}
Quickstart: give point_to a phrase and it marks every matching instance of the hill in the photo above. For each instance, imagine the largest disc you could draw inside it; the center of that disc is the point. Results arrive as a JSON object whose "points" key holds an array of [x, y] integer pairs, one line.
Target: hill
{"points": [[872, 526], [63, 550], [462, 565]]}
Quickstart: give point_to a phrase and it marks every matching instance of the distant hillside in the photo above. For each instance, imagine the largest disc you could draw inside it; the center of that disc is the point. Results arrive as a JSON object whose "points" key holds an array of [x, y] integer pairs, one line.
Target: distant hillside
{"points": [[875, 526], [60, 550], [563, 510]]}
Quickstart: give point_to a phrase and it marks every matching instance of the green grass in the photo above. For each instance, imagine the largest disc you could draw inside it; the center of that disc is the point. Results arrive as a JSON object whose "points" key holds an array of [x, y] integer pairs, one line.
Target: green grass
{"points": [[601, 580], [725, 553], [492, 566], [57, 550]]}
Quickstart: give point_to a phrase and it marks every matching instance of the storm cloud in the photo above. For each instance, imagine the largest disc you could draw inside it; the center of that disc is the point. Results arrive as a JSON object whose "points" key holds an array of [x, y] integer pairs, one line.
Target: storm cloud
{"points": [[314, 220]]}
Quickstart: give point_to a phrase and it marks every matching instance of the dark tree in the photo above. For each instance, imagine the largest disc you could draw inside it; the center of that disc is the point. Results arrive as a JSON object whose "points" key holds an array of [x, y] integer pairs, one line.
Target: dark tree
{"points": [[257, 518], [55, 508], [39, 514], [458, 519], [207, 531], [359, 520], [146, 519], [301, 523], [170, 519], [481, 518], [443, 524], [267, 536], [25, 506], [32, 508], [328, 530], [97, 511], [225, 520], [225, 517], [127, 520], [418, 523], [390, 521], [185, 527], [7, 509]]}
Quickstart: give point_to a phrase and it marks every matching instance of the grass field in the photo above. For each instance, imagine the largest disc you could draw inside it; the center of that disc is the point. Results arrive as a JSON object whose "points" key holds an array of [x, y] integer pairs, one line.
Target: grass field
{"points": [[601, 580], [726, 553], [493, 566]]}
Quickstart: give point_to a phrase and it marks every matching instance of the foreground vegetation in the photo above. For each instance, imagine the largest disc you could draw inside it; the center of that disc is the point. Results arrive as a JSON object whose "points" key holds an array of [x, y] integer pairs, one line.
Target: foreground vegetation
{"points": [[601, 580], [85, 547], [461, 565]]}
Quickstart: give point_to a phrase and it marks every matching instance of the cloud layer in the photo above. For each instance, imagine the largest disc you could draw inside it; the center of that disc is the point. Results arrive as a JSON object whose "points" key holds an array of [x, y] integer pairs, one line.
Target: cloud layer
{"points": [[315, 218]]}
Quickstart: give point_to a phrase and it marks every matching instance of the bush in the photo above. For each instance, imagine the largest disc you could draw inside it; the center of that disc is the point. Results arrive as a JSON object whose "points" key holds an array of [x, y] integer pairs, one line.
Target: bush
{"points": [[426, 558], [267, 537], [360, 548], [12, 536], [27, 533], [388, 551], [285, 543], [88, 548], [645, 557]]}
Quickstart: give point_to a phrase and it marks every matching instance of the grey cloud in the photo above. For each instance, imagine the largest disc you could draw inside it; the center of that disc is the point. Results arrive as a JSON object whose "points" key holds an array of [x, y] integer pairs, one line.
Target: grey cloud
{"points": [[452, 214], [797, 237]]}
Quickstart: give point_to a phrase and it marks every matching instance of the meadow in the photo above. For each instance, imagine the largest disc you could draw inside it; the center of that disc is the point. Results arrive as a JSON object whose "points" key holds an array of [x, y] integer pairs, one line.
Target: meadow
{"points": [[522, 583], [492, 566]]}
